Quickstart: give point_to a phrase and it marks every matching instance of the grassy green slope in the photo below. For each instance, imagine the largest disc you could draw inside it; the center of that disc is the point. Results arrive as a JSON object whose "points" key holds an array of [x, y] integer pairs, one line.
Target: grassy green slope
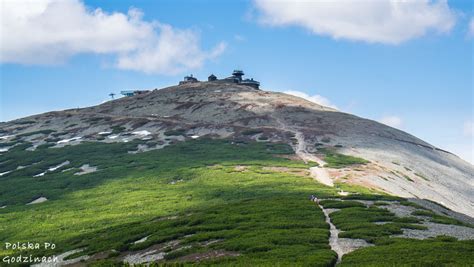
{"points": [[192, 192], [263, 215]]}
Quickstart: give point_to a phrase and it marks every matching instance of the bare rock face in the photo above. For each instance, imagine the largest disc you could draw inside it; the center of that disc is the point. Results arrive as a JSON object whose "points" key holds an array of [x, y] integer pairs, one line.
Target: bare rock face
{"points": [[400, 163]]}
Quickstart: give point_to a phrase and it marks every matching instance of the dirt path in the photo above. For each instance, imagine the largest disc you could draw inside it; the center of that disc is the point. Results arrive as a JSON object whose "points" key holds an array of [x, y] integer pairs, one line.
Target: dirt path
{"points": [[301, 149], [339, 245], [334, 236]]}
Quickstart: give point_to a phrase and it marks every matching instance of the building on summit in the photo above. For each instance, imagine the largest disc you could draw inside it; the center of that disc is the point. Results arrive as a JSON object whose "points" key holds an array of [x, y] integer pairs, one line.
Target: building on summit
{"points": [[188, 79], [235, 78], [133, 92]]}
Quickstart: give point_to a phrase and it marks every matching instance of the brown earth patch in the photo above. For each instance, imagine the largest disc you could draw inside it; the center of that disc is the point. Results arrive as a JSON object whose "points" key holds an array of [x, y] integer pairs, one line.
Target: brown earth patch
{"points": [[240, 168]]}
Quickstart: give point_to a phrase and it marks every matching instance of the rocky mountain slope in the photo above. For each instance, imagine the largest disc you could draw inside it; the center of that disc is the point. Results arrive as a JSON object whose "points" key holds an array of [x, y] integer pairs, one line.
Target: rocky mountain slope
{"points": [[399, 163]]}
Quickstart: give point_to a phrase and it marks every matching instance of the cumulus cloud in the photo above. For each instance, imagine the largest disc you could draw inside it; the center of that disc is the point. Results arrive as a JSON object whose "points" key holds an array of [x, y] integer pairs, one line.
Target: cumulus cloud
{"points": [[173, 51], [52, 31], [389, 22], [392, 121], [320, 100], [469, 128]]}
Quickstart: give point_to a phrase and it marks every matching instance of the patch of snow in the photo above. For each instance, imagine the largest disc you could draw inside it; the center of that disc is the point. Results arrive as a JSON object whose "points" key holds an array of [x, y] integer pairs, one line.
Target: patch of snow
{"points": [[104, 133], [85, 169], [39, 174], [38, 200], [194, 136], [4, 149], [3, 173], [343, 193], [113, 136], [20, 167], [69, 140], [141, 240], [60, 259], [142, 133], [2, 207], [6, 137], [52, 169], [149, 256]]}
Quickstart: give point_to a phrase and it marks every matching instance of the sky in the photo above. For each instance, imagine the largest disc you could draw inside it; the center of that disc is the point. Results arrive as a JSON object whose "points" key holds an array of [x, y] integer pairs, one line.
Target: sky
{"points": [[406, 64]]}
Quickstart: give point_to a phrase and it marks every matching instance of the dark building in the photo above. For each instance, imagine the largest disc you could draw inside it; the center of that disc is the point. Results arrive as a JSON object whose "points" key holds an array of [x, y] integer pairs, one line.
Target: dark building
{"points": [[189, 79], [251, 82], [237, 74], [235, 78], [212, 78], [134, 92]]}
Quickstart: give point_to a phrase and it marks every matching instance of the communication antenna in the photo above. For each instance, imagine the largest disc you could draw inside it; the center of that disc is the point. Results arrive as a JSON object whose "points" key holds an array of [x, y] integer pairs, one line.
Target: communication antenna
{"points": [[112, 95]]}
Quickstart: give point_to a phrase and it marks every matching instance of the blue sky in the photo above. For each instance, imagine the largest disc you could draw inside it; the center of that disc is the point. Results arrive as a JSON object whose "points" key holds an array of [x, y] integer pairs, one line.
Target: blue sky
{"points": [[413, 71]]}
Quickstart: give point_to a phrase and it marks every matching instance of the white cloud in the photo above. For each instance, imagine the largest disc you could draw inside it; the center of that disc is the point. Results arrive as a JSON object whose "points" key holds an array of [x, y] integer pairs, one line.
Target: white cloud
{"points": [[469, 128], [389, 22], [392, 121], [313, 98], [173, 51], [471, 27], [52, 31]]}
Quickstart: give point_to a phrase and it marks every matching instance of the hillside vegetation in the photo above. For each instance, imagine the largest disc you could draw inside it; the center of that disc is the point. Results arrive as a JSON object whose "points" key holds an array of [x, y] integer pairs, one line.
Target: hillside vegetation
{"points": [[214, 202]]}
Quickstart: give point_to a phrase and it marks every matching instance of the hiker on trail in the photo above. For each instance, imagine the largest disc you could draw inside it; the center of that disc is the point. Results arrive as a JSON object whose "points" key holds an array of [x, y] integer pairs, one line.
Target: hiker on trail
{"points": [[314, 199]]}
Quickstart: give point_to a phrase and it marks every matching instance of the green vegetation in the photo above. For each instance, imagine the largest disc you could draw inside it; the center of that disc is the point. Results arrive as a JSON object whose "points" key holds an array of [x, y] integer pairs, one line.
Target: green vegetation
{"points": [[421, 176], [191, 193], [359, 222], [336, 160], [407, 177], [2, 145], [118, 129], [24, 122], [262, 215], [337, 204], [439, 218], [407, 252], [251, 132], [36, 132], [175, 132], [326, 140]]}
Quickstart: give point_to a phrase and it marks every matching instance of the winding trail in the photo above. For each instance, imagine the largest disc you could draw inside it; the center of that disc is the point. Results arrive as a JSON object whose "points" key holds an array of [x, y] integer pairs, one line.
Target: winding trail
{"points": [[334, 236], [339, 245], [319, 173]]}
